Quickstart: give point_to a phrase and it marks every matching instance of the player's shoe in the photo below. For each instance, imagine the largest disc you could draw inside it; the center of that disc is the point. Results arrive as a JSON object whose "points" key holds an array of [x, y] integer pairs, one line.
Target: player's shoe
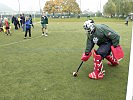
{"points": [[42, 34], [46, 35]]}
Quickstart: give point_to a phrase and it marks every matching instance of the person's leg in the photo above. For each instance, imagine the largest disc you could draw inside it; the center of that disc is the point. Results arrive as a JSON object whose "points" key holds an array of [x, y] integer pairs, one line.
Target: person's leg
{"points": [[105, 50], [25, 34], [23, 27], [99, 55], [30, 33], [126, 23], [42, 29], [98, 72], [8, 30], [19, 25], [32, 25], [16, 27], [45, 30], [112, 61]]}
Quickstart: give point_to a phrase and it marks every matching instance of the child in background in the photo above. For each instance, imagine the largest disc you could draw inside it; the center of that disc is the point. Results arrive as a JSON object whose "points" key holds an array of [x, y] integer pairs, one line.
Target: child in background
{"points": [[28, 27], [7, 26]]}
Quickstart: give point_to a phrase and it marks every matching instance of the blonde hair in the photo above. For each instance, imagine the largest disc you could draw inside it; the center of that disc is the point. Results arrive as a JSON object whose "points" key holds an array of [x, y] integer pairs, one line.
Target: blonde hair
{"points": [[27, 18], [5, 19]]}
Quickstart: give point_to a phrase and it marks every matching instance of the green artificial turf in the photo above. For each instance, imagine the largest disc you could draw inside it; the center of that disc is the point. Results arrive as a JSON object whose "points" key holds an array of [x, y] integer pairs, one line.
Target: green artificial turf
{"points": [[41, 68]]}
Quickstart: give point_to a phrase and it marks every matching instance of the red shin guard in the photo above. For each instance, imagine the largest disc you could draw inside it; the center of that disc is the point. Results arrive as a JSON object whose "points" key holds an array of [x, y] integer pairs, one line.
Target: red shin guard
{"points": [[112, 60], [98, 73]]}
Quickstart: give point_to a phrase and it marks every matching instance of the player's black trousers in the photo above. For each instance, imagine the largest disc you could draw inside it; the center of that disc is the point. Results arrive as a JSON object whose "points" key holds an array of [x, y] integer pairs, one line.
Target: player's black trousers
{"points": [[28, 30], [104, 49]]}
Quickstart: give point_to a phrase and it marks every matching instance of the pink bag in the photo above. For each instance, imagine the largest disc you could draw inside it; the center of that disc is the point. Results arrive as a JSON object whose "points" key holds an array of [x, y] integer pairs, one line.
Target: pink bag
{"points": [[117, 52]]}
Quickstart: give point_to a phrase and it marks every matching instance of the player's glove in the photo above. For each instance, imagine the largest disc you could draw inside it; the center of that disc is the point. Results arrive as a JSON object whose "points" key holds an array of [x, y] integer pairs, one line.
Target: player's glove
{"points": [[117, 52], [86, 56]]}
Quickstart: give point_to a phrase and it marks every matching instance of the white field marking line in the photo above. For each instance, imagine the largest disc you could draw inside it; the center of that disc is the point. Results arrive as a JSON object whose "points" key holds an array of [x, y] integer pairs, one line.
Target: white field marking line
{"points": [[22, 40], [36, 22], [129, 94], [18, 41], [30, 39]]}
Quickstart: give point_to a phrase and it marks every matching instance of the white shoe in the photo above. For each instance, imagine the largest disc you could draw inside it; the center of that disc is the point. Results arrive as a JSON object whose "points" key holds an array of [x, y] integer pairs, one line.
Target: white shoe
{"points": [[42, 34], [46, 35]]}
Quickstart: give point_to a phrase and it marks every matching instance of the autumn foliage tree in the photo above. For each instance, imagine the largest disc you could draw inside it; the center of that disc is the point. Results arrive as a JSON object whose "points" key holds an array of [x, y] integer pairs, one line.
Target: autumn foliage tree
{"points": [[62, 6], [70, 6]]}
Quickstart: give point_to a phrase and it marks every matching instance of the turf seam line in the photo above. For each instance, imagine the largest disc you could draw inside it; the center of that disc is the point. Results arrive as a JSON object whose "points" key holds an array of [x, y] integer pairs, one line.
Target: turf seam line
{"points": [[18, 42]]}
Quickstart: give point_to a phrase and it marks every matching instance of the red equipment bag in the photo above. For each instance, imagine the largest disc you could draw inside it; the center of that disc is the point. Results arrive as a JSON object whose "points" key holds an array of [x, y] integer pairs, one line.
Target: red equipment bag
{"points": [[117, 52]]}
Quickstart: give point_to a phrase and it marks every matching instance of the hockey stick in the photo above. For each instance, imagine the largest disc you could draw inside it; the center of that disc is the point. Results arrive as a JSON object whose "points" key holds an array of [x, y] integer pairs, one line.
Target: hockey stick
{"points": [[76, 73]]}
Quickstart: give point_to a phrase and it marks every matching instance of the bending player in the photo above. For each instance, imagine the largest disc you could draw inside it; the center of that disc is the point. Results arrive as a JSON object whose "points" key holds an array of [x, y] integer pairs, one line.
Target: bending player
{"points": [[104, 37]]}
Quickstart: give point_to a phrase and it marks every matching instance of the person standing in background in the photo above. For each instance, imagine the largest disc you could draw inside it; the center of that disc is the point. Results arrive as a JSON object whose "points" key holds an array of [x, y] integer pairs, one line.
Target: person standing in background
{"points": [[7, 26], [30, 18], [44, 23], [23, 22], [127, 18], [19, 21], [27, 27]]}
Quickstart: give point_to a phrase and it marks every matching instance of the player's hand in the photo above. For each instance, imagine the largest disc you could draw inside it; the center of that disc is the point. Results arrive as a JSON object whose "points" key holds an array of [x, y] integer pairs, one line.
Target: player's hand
{"points": [[85, 56]]}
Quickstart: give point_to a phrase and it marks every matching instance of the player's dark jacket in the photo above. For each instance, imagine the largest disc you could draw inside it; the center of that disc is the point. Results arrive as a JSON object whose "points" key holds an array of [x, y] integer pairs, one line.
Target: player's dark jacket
{"points": [[23, 19], [13, 18], [30, 19], [44, 20], [102, 35], [28, 24]]}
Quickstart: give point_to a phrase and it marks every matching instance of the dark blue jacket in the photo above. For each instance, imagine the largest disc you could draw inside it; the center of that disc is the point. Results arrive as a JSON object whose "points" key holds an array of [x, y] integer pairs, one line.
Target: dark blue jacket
{"points": [[28, 24], [15, 21], [23, 19]]}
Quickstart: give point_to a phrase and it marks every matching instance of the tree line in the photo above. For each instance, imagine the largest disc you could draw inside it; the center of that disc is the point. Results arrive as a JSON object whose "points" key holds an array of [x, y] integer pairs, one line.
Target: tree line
{"points": [[111, 8], [118, 8]]}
